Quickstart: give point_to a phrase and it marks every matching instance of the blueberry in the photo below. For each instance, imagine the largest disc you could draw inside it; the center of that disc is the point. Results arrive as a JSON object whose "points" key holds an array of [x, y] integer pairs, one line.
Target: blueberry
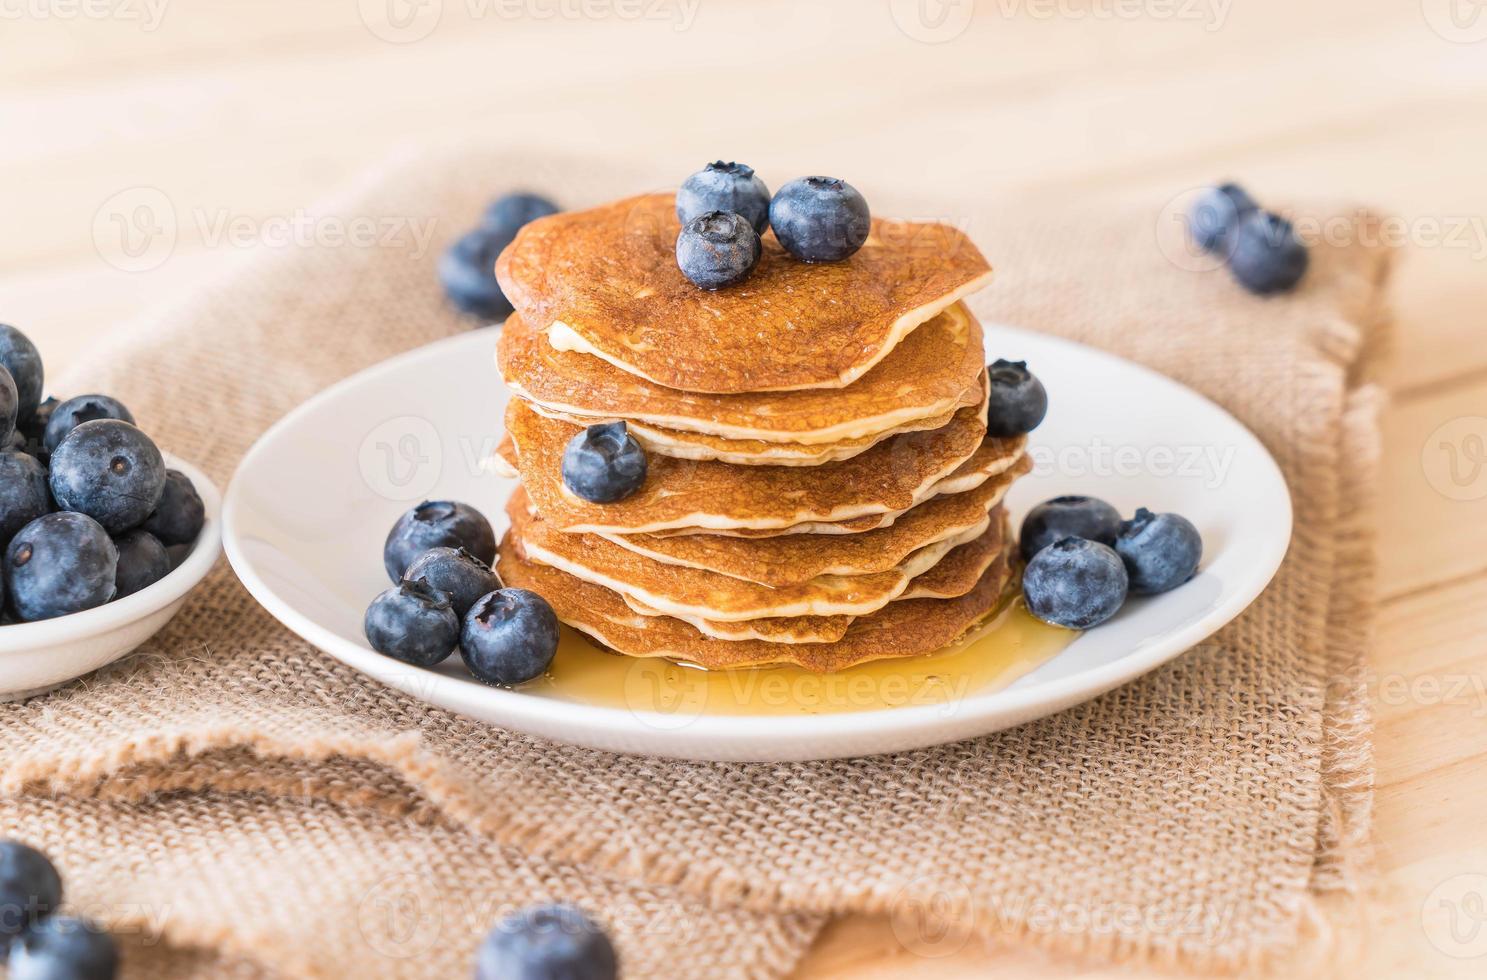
{"points": [[468, 271], [9, 402], [34, 428], [61, 947], [510, 211], [547, 942], [24, 495], [110, 471], [1017, 401], [1215, 214], [1075, 583], [30, 888], [717, 249], [1266, 256], [178, 554], [1161, 551], [604, 463], [1065, 517], [58, 564], [509, 636], [437, 524], [820, 219], [723, 186], [75, 411], [412, 622], [23, 361], [179, 516], [142, 562], [455, 572]]}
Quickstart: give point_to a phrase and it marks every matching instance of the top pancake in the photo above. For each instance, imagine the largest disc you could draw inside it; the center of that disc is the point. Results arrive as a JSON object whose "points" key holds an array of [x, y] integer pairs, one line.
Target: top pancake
{"points": [[605, 282]]}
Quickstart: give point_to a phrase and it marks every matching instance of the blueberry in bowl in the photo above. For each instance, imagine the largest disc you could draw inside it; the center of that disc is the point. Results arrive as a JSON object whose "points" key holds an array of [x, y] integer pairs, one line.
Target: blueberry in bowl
{"points": [[74, 412], [110, 471]]}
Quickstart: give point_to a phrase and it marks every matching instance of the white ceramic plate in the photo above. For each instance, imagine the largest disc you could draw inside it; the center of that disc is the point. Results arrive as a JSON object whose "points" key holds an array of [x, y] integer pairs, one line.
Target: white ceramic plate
{"points": [[311, 504], [37, 657]]}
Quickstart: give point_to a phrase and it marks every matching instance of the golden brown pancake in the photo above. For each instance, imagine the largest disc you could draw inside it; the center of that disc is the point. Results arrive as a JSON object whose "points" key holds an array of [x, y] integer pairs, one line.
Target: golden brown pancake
{"points": [[787, 629], [959, 571], [901, 629], [936, 370], [605, 282]]}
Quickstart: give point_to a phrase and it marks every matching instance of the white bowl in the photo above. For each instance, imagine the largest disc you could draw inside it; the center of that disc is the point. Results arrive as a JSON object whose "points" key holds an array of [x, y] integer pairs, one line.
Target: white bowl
{"points": [[38, 657], [419, 427]]}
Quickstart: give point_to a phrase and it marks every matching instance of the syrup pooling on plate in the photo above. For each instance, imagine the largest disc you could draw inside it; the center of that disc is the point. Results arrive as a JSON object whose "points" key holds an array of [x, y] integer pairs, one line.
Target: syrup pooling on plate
{"points": [[1007, 648]]}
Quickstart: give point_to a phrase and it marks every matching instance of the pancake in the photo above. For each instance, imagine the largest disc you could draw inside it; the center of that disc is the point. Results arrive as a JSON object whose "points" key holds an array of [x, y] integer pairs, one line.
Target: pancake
{"points": [[788, 629], [959, 571], [891, 477], [902, 629], [936, 370], [605, 282], [793, 558]]}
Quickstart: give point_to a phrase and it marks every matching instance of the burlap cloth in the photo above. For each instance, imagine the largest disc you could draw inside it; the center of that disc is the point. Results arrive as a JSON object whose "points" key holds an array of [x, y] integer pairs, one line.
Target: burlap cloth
{"points": [[232, 791]]}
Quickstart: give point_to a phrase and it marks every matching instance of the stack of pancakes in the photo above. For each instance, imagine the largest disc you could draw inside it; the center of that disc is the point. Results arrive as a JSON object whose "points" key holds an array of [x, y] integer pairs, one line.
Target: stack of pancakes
{"points": [[821, 489]]}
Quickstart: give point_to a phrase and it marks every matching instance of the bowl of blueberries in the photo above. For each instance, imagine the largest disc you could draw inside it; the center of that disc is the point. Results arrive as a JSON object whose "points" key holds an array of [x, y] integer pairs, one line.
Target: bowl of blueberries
{"points": [[102, 535]]}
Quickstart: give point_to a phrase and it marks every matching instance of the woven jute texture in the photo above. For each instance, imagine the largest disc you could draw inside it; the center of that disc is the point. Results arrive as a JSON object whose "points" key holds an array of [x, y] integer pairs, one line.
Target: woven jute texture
{"points": [[1191, 817]]}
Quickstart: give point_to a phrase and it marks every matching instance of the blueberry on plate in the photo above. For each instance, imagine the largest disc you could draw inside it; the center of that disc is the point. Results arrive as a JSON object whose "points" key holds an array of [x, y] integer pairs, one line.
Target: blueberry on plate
{"points": [[75, 411], [455, 572], [437, 524], [604, 463], [24, 495], [30, 888], [1075, 583], [467, 269], [1266, 256], [1016, 400], [61, 947], [1215, 214], [717, 249], [23, 361], [413, 623], [110, 471], [179, 516], [723, 186], [510, 211], [58, 564], [509, 637], [1161, 551], [9, 405], [1070, 516], [820, 219], [142, 562], [547, 942]]}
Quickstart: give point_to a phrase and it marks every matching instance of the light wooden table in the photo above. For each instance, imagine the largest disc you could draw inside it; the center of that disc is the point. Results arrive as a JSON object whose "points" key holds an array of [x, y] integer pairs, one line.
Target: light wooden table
{"points": [[241, 113]]}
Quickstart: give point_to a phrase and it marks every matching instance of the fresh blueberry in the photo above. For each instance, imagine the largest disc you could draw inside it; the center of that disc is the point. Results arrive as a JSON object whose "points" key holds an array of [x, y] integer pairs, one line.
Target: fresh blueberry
{"points": [[58, 564], [1070, 516], [75, 411], [604, 463], [61, 947], [110, 471], [30, 889], [413, 623], [179, 516], [437, 524], [9, 402], [1161, 551], [1075, 583], [1017, 401], [717, 249], [455, 572], [23, 361], [24, 495], [142, 562], [724, 187], [468, 271], [547, 942], [509, 636], [511, 211], [1266, 255], [820, 219], [1215, 214]]}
